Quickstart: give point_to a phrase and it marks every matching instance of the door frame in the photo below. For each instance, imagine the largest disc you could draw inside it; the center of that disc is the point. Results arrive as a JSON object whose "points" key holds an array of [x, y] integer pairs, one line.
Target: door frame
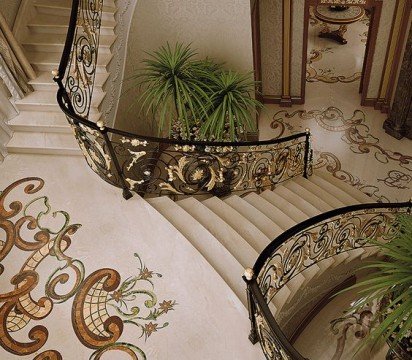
{"points": [[375, 8]]}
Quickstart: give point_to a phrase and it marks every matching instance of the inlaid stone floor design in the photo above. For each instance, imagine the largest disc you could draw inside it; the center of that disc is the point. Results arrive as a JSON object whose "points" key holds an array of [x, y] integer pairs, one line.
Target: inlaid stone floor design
{"points": [[348, 139], [85, 274], [337, 334], [322, 64]]}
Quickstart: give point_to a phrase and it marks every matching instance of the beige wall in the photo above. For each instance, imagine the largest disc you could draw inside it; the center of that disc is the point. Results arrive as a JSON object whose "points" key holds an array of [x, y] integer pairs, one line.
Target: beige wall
{"points": [[219, 29], [271, 46], [9, 9]]}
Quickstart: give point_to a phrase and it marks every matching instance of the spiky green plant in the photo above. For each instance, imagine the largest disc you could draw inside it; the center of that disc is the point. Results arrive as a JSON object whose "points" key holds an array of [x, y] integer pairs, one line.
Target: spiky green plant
{"points": [[173, 84], [233, 106], [176, 88], [392, 281]]}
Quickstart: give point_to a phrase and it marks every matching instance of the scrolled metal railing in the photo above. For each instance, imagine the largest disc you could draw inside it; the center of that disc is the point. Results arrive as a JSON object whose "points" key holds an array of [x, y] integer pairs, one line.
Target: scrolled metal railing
{"points": [[159, 166], [299, 248]]}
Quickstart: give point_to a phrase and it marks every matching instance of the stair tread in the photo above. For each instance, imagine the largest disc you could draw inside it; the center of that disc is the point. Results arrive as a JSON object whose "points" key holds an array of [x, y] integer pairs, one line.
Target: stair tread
{"points": [[259, 219], [312, 198], [59, 39], [333, 189], [28, 139], [46, 78], [42, 97], [44, 118], [204, 242], [43, 143], [272, 212], [327, 197], [285, 206], [62, 21], [353, 192], [298, 201], [67, 4], [40, 119], [245, 254], [53, 58], [246, 229]]}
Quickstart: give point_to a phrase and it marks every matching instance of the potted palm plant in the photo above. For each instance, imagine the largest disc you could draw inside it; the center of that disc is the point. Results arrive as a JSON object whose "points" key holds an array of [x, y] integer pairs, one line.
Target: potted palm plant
{"points": [[195, 99], [391, 285]]}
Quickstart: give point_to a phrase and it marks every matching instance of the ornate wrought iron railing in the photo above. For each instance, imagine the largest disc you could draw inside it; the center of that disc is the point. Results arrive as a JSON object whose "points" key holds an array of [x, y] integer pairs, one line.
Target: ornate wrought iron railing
{"points": [[301, 247], [159, 166]]}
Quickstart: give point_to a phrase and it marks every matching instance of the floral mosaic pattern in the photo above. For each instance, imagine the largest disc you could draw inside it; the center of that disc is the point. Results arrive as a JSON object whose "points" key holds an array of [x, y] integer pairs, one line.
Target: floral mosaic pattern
{"points": [[103, 305], [357, 134]]}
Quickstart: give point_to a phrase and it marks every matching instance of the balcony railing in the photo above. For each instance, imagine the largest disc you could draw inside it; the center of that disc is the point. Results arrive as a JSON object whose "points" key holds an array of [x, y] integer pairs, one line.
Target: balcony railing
{"points": [[154, 166], [302, 246]]}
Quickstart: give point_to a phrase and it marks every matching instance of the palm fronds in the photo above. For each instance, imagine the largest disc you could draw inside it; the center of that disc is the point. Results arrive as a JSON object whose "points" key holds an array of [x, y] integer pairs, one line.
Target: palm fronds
{"points": [[232, 105], [391, 284], [171, 83], [178, 88]]}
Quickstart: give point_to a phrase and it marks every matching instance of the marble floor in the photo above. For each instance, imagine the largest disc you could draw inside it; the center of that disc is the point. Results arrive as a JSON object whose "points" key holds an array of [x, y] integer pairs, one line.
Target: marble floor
{"points": [[336, 334], [348, 139], [84, 274]]}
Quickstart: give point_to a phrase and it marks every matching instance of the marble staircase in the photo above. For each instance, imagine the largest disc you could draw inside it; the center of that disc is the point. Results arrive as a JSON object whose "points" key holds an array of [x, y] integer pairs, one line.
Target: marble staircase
{"points": [[41, 127], [230, 233]]}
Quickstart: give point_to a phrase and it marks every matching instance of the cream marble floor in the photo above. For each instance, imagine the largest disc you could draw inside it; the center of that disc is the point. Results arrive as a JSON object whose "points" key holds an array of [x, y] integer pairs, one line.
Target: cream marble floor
{"points": [[135, 273], [348, 139]]}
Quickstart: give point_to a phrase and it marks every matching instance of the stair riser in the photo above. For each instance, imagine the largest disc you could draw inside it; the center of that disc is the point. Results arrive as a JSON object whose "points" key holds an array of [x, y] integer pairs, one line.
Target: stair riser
{"points": [[43, 151], [47, 108], [57, 48], [46, 129], [101, 69], [58, 11], [49, 29], [52, 87]]}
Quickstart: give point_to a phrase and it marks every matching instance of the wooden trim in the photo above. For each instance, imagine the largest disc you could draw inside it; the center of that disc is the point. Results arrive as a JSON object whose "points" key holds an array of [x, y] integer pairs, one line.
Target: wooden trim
{"points": [[325, 300], [305, 50], [293, 100], [287, 16], [393, 55], [256, 47], [376, 10]]}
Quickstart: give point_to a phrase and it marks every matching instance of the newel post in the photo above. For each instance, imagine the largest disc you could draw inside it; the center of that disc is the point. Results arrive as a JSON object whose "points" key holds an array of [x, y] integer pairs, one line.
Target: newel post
{"points": [[249, 278]]}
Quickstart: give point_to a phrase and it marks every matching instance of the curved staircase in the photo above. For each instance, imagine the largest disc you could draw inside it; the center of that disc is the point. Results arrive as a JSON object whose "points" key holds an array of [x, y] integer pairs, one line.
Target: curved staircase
{"points": [[230, 233], [41, 127]]}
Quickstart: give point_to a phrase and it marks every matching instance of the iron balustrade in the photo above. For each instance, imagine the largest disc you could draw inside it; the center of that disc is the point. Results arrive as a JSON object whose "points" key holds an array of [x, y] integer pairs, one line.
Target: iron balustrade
{"points": [[154, 166], [302, 246]]}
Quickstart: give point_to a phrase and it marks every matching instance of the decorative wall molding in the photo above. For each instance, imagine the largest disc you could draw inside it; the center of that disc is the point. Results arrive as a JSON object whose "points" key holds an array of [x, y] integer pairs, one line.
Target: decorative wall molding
{"points": [[399, 123], [397, 40]]}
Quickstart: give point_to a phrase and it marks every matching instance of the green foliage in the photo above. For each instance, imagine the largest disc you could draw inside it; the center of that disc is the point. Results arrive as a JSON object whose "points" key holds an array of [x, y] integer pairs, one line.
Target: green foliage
{"points": [[176, 87], [392, 282], [233, 107]]}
